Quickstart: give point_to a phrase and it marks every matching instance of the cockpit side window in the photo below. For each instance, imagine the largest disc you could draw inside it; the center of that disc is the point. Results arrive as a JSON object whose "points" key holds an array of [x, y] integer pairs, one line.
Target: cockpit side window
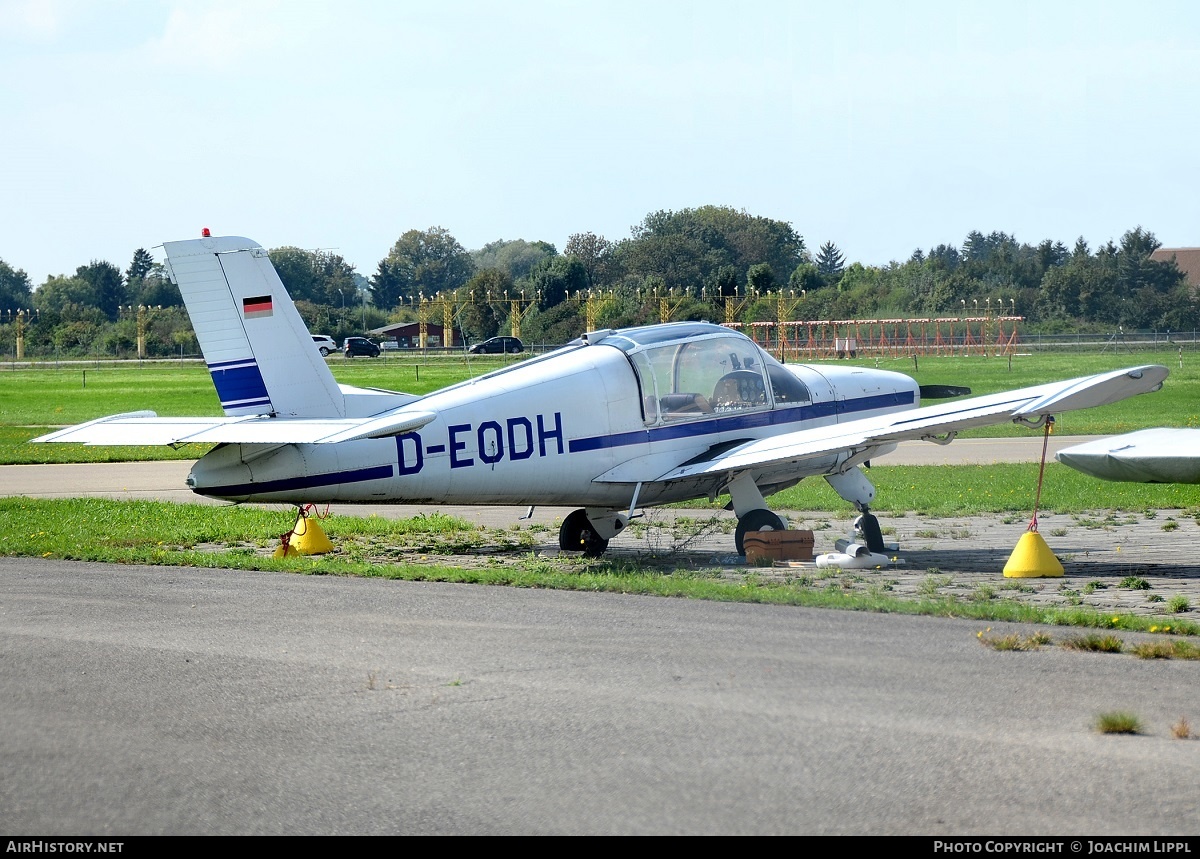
{"points": [[787, 388]]}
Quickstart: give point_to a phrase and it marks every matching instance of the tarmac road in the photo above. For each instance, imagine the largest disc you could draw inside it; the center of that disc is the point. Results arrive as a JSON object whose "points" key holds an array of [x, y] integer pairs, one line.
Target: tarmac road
{"points": [[143, 701]]}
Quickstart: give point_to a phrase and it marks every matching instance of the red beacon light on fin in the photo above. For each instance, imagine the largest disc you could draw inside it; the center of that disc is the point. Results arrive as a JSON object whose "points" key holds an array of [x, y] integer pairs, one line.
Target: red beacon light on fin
{"points": [[206, 233]]}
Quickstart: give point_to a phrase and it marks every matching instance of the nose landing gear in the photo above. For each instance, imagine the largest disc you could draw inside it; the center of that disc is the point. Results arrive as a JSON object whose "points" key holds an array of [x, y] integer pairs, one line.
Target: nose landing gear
{"points": [[868, 526]]}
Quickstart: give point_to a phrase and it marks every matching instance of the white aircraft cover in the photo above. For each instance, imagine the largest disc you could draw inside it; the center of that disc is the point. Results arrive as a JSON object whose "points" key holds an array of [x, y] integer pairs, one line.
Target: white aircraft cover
{"points": [[1148, 456]]}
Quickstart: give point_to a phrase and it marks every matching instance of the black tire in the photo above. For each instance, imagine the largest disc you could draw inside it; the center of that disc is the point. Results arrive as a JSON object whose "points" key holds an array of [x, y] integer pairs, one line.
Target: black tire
{"points": [[324, 352], [872, 534], [577, 535], [348, 353], [756, 520]]}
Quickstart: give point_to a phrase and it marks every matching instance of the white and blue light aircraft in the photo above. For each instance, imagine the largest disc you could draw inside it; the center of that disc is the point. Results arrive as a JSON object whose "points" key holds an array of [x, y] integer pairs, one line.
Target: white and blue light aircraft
{"points": [[614, 422]]}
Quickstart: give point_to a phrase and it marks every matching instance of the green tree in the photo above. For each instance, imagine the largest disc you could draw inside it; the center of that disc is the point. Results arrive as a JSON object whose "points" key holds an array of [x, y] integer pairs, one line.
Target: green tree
{"points": [[59, 294], [760, 278], [108, 286], [156, 291], [390, 284], [480, 318], [725, 281], [146, 283], [687, 249], [296, 269], [555, 325], [594, 254], [554, 278], [426, 262], [517, 258], [317, 276], [337, 278], [806, 278], [15, 290], [943, 258], [830, 262], [142, 264]]}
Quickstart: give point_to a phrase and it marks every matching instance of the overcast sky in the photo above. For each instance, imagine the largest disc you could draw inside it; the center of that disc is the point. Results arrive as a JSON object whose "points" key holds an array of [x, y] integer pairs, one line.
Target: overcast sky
{"points": [[879, 126]]}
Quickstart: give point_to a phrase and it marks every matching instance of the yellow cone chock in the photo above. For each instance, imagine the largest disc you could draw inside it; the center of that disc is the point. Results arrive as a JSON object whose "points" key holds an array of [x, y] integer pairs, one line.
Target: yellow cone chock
{"points": [[309, 537], [286, 550], [1032, 559]]}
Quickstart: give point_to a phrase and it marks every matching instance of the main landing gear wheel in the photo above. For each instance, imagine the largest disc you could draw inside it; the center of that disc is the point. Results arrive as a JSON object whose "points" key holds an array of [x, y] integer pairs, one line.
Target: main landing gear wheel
{"points": [[756, 520], [578, 535], [872, 534]]}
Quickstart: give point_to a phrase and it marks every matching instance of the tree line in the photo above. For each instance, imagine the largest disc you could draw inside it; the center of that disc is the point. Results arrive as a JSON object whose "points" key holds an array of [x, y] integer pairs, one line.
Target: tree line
{"points": [[693, 263]]}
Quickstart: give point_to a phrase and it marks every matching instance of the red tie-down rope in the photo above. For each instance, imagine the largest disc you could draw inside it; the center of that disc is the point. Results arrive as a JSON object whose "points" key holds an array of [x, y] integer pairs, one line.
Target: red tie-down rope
{"points": [[305, 511], [1033, 525]]}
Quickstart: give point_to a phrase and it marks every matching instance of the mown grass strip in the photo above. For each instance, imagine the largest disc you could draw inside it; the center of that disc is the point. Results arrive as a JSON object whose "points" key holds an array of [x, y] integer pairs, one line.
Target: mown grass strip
{"points": [[141, 532]]}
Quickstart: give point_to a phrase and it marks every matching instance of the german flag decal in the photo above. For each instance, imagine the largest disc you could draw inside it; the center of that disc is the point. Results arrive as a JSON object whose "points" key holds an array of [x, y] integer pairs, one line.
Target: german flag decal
{"points": [[257, 307]]}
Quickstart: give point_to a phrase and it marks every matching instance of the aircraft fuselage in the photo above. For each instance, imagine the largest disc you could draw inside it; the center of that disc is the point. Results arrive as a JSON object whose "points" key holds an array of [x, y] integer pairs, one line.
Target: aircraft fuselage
{"points": [[540, 432]]}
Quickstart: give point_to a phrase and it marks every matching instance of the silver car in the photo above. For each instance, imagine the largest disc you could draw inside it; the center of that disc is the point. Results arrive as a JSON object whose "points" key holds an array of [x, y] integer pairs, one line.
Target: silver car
{"points": [[324, 344]]}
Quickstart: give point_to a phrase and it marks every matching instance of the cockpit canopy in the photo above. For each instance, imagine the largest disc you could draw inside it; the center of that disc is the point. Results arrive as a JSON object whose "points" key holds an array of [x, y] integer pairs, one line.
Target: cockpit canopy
{"points": [[692, 369]]}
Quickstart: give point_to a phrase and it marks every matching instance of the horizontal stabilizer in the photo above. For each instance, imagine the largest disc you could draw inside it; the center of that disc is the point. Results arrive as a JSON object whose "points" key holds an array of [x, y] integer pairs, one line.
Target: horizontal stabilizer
{"points": [[98, 426], [145, 429]]}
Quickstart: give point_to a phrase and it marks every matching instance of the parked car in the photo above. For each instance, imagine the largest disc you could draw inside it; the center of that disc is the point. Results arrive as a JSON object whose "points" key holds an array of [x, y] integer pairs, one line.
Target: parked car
{"points": [[360, 346], [325, 344], [497, 345]]}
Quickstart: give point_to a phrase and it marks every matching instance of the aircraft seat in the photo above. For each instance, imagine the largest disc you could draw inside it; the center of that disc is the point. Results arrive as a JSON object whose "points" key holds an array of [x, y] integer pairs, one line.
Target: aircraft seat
{"points": [[685, 404]]}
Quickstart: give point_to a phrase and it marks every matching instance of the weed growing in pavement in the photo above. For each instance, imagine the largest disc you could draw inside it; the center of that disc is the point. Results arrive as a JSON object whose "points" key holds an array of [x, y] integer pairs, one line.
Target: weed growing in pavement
{"points": [[1094, 642], [1182, 730], [984, 592], [1166, 649], [1118, 722], [930, 584], [1014, 641]]}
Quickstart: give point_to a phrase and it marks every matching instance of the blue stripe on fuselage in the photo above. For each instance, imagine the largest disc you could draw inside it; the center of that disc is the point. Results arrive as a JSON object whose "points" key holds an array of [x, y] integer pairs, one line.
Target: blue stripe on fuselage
{"points": [[378, 472], [734, 423]]}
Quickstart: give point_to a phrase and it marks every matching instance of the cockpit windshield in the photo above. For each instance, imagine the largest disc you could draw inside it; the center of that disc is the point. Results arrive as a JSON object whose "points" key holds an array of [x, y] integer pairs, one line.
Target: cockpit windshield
{"points": [[692, 369]]}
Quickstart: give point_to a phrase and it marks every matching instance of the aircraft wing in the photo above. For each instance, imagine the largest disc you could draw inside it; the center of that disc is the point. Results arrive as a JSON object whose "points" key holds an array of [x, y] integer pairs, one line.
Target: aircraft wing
{"points": [[783, 455], [146, 428]]}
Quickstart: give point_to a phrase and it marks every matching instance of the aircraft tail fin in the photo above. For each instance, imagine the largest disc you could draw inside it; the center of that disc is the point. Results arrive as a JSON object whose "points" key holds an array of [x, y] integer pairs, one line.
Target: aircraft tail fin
{"points": [[259, 352]]}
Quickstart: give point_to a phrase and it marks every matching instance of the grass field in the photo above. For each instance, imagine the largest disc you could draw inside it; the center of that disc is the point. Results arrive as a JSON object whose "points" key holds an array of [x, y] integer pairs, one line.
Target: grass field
{"points": [[53, 395]]}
